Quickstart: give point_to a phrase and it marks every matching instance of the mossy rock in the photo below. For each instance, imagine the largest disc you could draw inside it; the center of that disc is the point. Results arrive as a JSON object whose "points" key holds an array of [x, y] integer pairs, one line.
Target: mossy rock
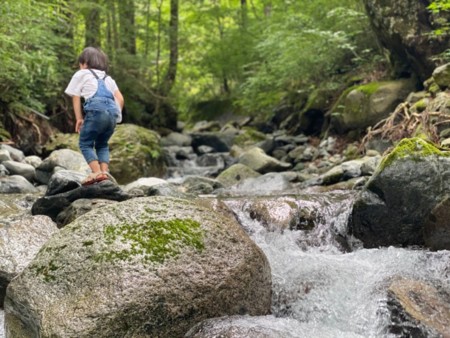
{"points": [[362, 106], [416, 148], [146, 267], [135, 153], [249, 137], [61, 141], [4, 134]]}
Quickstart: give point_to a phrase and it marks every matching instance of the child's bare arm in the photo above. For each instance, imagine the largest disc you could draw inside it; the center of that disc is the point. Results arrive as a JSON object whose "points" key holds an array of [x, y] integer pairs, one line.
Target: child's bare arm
{"points": [[119, 98], [76, 101]]}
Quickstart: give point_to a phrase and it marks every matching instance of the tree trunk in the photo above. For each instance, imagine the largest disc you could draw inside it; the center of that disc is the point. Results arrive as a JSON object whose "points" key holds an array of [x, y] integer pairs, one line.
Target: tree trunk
{"points": [[92, 22], [244, 14], [171, 73], [127, 27]]}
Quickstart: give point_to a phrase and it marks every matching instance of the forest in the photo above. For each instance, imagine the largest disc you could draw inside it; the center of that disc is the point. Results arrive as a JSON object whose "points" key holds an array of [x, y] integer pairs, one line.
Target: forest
{"points": [[185, 60]]}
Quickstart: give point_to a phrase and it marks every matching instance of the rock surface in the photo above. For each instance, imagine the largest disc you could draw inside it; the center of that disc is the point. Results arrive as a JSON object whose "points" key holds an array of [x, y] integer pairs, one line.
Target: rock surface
{"points": [[396, 202], [153, 267]]}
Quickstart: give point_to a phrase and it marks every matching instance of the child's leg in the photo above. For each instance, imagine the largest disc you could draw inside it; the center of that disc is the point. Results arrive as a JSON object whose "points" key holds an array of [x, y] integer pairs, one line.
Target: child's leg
{"points": [[88, 134], [95, 166], [104, 167]]}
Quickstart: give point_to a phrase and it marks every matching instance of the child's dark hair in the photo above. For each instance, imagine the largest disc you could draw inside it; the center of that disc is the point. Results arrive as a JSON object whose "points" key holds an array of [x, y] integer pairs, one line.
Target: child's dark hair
{"points": [[94, 58]]}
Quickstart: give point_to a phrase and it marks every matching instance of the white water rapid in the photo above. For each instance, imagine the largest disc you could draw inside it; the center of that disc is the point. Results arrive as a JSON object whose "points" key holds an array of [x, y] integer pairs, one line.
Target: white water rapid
{"points": [[320, 291]]}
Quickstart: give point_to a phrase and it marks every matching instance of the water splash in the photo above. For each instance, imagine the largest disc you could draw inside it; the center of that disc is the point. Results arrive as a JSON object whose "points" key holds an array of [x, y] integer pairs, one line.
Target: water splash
{"points": [[327, 292]]}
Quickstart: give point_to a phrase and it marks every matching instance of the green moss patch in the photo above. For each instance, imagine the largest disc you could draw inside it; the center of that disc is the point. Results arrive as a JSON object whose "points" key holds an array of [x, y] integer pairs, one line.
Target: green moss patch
{"points": [[416, 148], [153, 240]]}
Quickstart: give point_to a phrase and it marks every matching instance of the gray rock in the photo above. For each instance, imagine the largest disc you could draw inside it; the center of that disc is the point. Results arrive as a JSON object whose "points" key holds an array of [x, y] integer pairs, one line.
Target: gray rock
{"points": [[176, 139], [22, 169], [401, 27], [53, 205], [200, 185], [441, 76], [33, 160], [16, 184], [219, 141], [64, 180], [20, 241], [236, 173], [245, 327], [144, 184], [4, 155], [180, 264], [396, 202], [64, 159], [3, 171], [79, 208], [16, 154], [418, 309], [436, 230], [256, 159]]}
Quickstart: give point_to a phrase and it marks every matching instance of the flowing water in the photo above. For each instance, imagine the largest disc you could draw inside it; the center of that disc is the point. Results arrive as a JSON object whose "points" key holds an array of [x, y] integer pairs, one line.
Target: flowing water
{"points": [[320, 291]]}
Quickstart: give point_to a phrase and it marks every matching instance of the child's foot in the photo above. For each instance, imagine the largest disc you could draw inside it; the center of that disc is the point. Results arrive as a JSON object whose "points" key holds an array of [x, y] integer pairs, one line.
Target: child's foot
{"points": [[94, 178], [109, 176]]}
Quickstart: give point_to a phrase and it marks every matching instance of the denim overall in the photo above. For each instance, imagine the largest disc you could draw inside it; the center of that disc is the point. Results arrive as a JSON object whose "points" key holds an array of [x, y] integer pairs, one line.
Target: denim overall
{"points": [[99, 122]]}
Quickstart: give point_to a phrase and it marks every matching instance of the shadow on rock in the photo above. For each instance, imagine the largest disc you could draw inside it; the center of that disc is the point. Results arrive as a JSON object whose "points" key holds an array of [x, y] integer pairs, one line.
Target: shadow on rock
{"points": [[53, 205]]}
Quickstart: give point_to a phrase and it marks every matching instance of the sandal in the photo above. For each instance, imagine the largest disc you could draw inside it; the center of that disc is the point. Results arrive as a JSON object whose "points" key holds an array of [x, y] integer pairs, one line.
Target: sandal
{"points": [[109, 176], [94, 178]]}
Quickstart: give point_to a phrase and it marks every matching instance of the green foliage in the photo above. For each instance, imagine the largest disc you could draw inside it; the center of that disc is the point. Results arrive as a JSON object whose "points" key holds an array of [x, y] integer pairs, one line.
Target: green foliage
{"points": [[29, 55], [253, 56]]}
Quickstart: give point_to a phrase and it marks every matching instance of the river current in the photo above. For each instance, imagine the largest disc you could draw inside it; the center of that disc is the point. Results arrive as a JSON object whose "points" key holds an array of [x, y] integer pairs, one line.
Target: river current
{"points": [[320, 291]]}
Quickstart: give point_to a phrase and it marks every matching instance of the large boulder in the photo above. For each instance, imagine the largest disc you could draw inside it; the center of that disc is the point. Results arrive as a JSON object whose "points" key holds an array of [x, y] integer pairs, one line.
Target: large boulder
{"points": [[20, 240], [404, 28], [135, 153], [362, 106], [146, 267], [397, 201]]}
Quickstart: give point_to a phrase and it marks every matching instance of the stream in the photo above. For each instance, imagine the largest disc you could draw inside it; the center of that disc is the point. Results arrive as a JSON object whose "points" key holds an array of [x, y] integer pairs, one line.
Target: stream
{"points": [[320, 291]]}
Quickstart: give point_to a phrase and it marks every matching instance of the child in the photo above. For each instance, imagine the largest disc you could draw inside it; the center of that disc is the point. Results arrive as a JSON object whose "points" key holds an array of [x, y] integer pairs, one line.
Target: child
{"points": [[102, 110]]}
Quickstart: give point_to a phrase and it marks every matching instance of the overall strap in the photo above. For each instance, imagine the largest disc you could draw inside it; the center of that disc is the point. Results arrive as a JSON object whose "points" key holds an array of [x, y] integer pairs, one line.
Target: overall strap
{"points": [[95, 74]]}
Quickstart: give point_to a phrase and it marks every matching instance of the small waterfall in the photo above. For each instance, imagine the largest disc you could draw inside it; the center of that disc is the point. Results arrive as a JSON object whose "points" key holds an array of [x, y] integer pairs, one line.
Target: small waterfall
{"points": [[319, 290]]}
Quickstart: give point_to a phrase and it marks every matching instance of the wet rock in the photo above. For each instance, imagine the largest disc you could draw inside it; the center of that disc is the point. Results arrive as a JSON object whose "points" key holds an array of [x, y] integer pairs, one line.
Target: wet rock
{"points": [[16, 184], [243, 327], [144, 184], [236, 173], [20, 240], [176, 139], [436, 231], [78, 208], [64, 180], [394, 205], [95, 278], [59, 160], [418, 309], [22, 169], [219, 141], [256, 159], [14, 153], [54, 204], [441, 76]]}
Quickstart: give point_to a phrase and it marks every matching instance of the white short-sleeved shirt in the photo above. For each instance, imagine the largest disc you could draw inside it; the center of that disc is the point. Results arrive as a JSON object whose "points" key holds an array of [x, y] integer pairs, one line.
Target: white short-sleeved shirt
{"points": [[84, 83]]}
